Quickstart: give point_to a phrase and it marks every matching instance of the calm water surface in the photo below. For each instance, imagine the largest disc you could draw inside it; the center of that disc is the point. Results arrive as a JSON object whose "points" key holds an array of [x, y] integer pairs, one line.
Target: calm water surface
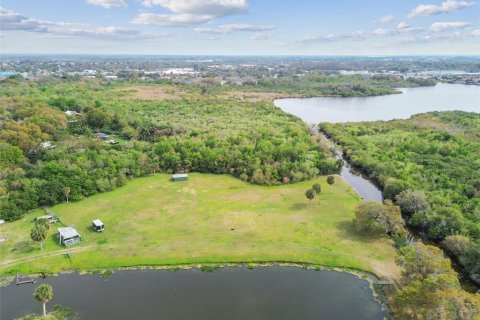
{"points": [[442, 97], [225, 294]]}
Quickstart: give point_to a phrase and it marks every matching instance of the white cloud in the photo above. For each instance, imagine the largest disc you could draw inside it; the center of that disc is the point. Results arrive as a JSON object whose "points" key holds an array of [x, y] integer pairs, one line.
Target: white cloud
{"points": [[442, 26], [13, 21], [403, 27], [218, 8], [445, 7], [187, 12], [108, 3], [262, 36], [475, 33], [229, 28], [387, 19], [381, 32], [169, 20], [358, 36]]}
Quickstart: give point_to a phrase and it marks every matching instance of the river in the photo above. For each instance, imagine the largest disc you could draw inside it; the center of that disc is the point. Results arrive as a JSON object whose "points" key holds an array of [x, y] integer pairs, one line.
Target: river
{"points": [[442, 97], [227, 293]]}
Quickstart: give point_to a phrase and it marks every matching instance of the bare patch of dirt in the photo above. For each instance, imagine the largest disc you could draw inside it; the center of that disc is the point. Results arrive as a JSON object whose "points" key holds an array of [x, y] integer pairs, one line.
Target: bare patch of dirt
{"points": [[386, 269], [151, 93]]}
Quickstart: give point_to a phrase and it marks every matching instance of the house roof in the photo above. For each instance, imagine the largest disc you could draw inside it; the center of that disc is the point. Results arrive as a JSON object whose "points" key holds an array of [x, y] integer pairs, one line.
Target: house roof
{"points": [[68, 232], [101, 135], [179, 175], [97, 222]]}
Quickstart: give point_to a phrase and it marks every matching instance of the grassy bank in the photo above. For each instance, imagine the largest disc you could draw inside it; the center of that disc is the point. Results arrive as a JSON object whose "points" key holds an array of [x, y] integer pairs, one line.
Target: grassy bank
{"points": [[208, 219]]}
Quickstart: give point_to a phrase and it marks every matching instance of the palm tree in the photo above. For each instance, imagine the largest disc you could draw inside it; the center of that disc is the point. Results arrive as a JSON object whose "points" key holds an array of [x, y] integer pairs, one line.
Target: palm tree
{"points": [[39, 233], [317, 188], [330, 181], [66, 192], [310, 194], [43, 293]]}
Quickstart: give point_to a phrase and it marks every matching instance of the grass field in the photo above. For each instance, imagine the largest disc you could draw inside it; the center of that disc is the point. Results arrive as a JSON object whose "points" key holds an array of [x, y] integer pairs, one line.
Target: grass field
{"points": [[207, 219]]}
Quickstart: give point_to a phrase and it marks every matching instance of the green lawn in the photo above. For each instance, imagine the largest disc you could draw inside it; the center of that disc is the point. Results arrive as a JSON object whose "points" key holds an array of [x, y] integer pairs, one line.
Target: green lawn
{"points": [[207, 219]]}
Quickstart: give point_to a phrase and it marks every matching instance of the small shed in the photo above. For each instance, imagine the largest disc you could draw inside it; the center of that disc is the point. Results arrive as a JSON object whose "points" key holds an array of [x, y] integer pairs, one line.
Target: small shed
{"points": [[98, 225], [180, 177], [101, 135], [68, 236]]}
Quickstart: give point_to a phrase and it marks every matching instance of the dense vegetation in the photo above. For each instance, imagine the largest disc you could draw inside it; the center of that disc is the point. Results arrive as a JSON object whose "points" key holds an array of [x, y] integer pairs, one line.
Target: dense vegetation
{"points": [[254, 141], [429, 288], [317, 84], [429, 165]]}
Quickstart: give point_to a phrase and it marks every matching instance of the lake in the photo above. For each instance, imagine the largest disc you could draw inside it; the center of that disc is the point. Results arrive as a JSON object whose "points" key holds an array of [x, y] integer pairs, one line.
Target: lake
{"points": [[227, 293], [442, 97]]}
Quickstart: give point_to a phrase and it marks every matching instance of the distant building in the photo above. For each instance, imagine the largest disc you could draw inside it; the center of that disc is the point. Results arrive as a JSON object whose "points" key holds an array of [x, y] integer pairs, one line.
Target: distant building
{"points": [[101, 135], [180, 177], [71, 113], [6, 74], [68, 236], [48, 145]]}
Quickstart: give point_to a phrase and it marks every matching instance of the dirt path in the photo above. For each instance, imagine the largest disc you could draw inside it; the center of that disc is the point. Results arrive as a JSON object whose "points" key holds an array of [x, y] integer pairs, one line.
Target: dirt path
{"points": [[39, 256]]}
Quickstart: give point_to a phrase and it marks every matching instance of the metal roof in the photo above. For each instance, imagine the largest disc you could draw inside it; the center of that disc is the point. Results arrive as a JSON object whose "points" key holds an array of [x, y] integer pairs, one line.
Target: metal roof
{"points": [[180, 175], [97, 223], [68, 232]]}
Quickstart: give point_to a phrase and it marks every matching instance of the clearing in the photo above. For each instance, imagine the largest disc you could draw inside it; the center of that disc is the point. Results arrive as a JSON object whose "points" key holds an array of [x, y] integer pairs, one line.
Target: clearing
{"points": [[152, 221]]}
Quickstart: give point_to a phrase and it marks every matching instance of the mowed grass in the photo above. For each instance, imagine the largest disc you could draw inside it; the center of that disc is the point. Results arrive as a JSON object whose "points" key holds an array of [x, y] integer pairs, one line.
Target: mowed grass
{"points": [[207, 219]]}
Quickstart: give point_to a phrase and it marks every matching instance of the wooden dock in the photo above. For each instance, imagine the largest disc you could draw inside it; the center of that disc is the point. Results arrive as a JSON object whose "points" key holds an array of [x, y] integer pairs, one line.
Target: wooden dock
{"points": [[24, 280]]}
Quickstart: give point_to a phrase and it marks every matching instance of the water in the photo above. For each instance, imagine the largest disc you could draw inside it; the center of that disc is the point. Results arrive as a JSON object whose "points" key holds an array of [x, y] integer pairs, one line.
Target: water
{"points": [[366, 189], [442, 97], [227, 293]]}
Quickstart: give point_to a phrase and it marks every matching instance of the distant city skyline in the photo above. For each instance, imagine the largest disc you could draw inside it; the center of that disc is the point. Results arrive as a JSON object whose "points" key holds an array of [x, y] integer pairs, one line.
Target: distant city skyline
{"points": [[240, 27]]}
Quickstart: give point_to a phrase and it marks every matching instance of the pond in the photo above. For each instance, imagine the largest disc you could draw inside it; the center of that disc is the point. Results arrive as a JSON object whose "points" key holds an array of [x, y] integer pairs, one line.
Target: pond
{"points": [[442, 97], [227, 293]]}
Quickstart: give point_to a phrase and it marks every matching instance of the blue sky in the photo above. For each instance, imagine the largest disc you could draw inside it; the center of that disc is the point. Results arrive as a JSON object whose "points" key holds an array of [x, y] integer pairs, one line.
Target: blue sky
{"points": [[241, 27]]}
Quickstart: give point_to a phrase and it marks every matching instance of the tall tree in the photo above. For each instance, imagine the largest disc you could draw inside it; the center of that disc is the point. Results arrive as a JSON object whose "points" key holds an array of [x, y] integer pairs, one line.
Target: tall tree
{"points": [[330, 181], [43, 293], [317, 188], [310, 194], [39, 233], [66, 192], [412, 201]]}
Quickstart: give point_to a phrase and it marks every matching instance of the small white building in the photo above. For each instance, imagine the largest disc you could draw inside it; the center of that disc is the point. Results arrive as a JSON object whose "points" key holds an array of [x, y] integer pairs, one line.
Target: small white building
{"points": [[180, 177], [68, 236], [98, 225], [48, 145]]}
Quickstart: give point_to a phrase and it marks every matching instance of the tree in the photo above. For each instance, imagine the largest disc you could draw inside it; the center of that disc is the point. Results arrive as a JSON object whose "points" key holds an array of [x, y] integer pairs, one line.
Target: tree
{"points": [[98, 119], [44, 223], [457, 244], [43, 293], [376, 217], [471, 261], [412, 201], [66, 192], [330, 181], [317, 188], [430, 288], [310, 194], [39, 233], [368, 216]]}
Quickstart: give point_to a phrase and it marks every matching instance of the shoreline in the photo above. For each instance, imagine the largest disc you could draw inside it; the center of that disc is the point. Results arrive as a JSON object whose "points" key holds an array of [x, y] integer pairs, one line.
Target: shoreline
{"points": [[372, 279]]}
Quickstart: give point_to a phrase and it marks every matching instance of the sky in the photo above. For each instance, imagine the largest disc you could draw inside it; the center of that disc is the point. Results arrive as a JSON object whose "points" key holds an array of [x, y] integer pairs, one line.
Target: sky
{"points": [[240, 27]]}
